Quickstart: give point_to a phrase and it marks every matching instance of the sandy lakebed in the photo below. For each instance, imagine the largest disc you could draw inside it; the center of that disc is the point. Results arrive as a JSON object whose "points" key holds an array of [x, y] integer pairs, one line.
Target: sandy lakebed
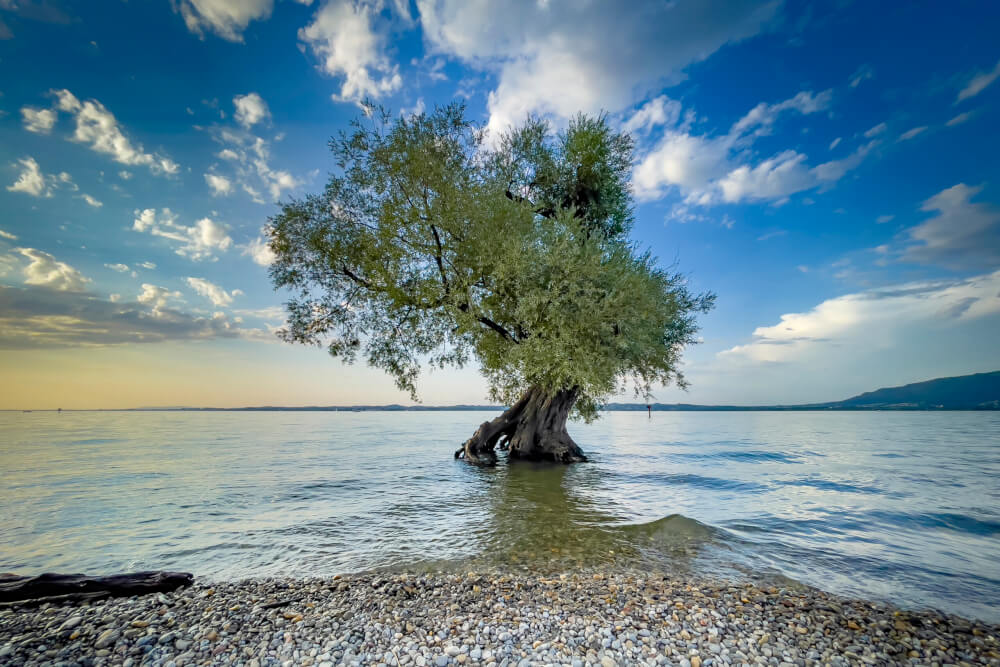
{"points": [[582, 618]]}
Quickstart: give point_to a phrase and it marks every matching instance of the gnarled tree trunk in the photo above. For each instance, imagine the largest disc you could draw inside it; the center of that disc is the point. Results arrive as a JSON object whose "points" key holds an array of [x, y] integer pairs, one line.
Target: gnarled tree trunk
{"points": [[534, 428]]}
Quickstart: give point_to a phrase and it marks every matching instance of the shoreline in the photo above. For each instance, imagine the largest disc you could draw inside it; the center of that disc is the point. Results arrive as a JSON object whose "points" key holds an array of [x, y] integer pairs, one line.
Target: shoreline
{"points": [[593, 617]]}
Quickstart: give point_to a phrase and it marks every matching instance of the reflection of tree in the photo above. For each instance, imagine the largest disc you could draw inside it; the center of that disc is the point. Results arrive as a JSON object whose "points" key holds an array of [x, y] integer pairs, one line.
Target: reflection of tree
{"points": [[539, 519]]}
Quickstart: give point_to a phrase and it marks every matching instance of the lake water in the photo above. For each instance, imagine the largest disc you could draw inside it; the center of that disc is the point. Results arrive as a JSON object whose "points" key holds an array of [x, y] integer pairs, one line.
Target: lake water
{"points": [[898, 506]]}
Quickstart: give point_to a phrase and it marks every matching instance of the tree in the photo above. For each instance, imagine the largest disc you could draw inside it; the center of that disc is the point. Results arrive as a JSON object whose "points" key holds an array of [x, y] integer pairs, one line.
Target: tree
{"points": [[433, 246]]}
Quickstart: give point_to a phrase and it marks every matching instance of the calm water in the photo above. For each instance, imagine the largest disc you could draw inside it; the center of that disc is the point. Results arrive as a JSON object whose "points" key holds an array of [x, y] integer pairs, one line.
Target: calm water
{"points": [[889, 505]]}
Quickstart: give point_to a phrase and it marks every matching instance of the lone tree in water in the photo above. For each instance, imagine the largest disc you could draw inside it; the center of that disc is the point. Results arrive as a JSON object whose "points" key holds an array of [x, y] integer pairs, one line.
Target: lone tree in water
{"points": [[435, 246]]}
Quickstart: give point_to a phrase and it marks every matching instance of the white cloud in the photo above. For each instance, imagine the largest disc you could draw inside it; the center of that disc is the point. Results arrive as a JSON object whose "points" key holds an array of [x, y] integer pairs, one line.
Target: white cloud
{"points": [[875, 131], [259, 251], [342, 37], [31, 181], [959, 119], [657, 112], [909, 134], [226, 18], [834, 143], [552, 58], [120, 268], [220, 184], [7, 235], [250, 109], [199, 241], [761, 119], [834, 170], [978, 83], [90, 200], [147, 265], [218, 296], [882, 219], [864, 73], [124, 175], [44, 270], [712, 169], [961, 234], [879, 320], [39, 121], [156, 297], [251, 157], [98, 127], [772, 179]]}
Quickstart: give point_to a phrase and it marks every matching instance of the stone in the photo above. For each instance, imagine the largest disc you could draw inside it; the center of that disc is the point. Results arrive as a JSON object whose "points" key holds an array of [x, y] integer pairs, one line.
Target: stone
{"points": [[106, 638]]}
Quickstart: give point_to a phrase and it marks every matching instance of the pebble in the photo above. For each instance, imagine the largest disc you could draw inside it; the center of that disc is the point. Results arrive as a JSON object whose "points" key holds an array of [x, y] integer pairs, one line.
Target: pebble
{"points": [[494, 619]]}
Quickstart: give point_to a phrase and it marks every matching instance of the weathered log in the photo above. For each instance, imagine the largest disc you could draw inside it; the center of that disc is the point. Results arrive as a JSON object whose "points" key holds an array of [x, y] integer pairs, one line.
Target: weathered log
{"points": [[82, 587]]}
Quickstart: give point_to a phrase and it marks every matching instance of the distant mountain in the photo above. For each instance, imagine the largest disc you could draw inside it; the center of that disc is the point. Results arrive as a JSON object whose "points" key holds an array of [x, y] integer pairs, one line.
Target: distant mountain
{"points": [[965, 392]]}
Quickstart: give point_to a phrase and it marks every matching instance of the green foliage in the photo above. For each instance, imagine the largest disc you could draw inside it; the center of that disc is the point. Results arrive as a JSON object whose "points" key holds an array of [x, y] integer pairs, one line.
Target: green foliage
{"points": [[432, 245]]}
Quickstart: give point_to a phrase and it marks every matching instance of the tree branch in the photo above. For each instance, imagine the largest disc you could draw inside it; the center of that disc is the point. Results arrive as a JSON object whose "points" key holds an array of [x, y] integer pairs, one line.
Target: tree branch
{"points": [[437, 258]]}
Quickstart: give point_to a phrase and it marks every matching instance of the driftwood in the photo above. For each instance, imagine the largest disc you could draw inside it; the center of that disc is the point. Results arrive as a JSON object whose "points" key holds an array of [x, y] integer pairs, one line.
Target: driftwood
{"points": [[77, 587]]}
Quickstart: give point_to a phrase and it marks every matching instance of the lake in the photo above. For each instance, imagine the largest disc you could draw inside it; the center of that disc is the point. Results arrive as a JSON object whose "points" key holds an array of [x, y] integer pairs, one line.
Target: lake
{"points": [[897, 506]]}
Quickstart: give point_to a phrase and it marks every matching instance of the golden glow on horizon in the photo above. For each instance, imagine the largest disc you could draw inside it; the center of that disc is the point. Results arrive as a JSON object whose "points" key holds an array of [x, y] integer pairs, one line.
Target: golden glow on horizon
{"points": [[208, 375]]}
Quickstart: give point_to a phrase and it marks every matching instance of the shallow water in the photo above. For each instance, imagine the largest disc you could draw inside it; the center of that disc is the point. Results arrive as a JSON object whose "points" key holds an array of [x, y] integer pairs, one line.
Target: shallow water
{"points": [[898, 506]]}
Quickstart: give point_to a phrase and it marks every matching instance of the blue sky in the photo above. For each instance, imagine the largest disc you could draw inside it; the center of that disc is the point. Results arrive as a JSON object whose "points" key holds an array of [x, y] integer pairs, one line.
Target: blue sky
{"points": [[828, 169]]}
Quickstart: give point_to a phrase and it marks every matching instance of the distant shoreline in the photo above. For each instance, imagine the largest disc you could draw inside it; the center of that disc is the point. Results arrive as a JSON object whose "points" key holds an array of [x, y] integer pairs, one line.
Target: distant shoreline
{"points": [[615, 407]]}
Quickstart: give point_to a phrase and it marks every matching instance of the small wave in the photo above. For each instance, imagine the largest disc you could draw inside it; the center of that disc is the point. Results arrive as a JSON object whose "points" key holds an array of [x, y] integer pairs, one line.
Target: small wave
{"points": [[672, 529], [700, 481], [961, 523], [842, 487], [750, 456]]}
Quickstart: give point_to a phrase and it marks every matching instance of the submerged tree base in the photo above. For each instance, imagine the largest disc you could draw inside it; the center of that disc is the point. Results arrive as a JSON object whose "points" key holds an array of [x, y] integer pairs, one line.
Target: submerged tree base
{"points": [[533, 429]]}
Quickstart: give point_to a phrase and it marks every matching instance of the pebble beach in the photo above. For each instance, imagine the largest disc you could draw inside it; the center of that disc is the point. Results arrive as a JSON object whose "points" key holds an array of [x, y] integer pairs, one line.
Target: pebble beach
{"points": [[579, 619]]}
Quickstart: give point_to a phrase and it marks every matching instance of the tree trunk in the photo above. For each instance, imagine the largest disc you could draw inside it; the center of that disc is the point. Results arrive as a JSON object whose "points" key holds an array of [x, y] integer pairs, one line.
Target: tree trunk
{"points": [[534, 428]]}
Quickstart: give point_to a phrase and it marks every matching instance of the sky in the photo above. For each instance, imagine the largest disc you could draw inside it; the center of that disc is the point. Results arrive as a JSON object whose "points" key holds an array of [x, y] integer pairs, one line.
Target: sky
{"points": [[830, 170]]}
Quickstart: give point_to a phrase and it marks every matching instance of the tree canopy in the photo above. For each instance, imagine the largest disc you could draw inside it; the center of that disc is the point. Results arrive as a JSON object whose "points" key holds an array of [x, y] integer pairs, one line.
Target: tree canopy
{"points": [[436, 244]]}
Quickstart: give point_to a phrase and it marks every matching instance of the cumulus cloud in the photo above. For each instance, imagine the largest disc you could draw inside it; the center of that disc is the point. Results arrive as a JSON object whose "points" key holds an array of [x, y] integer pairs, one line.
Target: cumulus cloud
{"points": [[657, 112], [710, 169], [39, 121], [33, 317], [44, 270], [218, 296], [31, 181], [876, 320], [220, 185], [259, 251], [91, 201], [226, 18], [250, 157], [552, 58], [156, 297], [250, 109], [962, 234], [7, 235], [99, 129], [198, 241], [120, 268], [343, 39], [978, 83]]}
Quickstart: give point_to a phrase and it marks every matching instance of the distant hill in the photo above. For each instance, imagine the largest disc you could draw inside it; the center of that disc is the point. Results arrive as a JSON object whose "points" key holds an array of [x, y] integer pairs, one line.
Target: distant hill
{"points": [[965, 392]]}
